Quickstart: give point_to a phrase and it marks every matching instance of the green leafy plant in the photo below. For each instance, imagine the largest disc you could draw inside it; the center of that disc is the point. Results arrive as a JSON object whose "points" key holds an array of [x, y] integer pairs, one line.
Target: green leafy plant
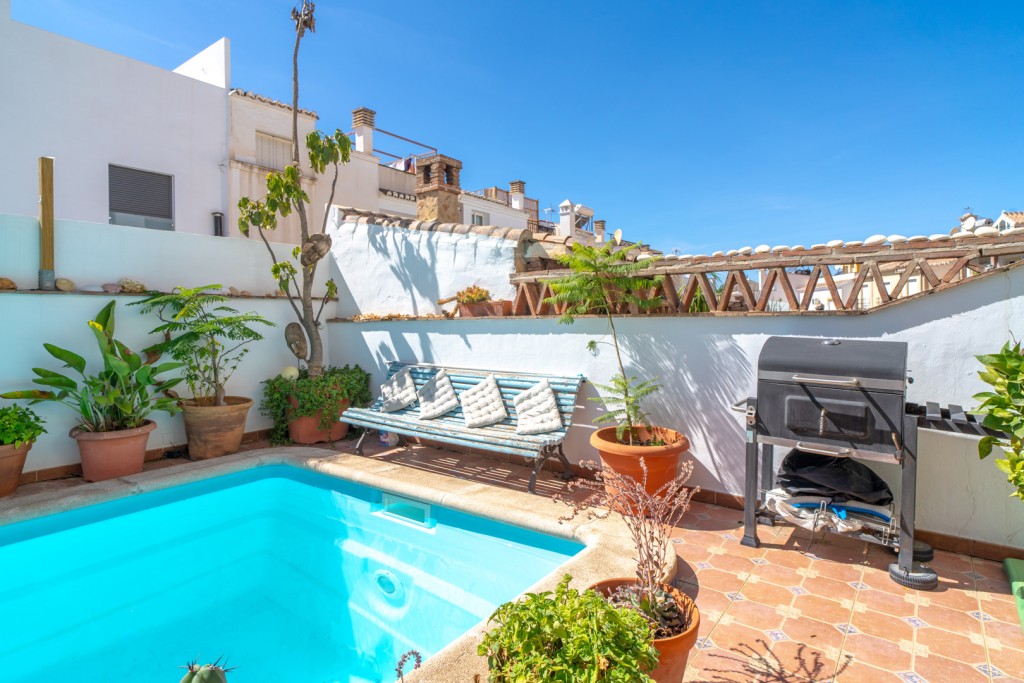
{"points": [[1003, 408], [205, 335], [286, 399], [650, 517], [567, 636], [284, 195], [121, 396], [19, 426], [602, 280]]}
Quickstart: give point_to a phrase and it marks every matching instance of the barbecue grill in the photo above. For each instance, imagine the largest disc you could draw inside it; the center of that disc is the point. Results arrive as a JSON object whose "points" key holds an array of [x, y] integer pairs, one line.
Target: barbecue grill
{"points": [[841, 399]]}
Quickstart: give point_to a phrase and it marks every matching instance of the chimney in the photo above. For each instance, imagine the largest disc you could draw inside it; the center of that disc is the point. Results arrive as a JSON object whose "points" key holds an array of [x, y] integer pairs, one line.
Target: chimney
{"points": [[599, 231], [437, 189], [517, 194], [566, 219], [363, 122]]}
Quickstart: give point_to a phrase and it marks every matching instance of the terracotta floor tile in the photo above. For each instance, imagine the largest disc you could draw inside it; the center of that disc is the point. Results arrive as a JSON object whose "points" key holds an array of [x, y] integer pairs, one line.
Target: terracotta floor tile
{"points": [[1004, 610], [949, 619], [727, 582], [768, 593], [736, 635], [1008, 634], [756, 615], [795, 660], [992, 586], [812, 632], [711, 603], [954, 645], [718, 665], [732, 564], [1008, 661], [779, 575], [880, 581], [888, 603], [829, 588], [785, 557], [937, 668], [857, 672], [739, 550], [883, 626], [816, 607], [686, 572], [955, 598], [945, 563], [838, 571], [989, 569], [877, 652], [691, 552], [704, 539]]}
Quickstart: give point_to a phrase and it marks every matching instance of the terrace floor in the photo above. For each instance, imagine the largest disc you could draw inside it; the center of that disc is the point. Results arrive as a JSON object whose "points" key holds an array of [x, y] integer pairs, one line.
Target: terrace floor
{"points": [[798, 608]]}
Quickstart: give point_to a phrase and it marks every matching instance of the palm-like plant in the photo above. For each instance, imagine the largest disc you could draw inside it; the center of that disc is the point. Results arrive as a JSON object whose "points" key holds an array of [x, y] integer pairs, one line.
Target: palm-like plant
{"points": [[205, 335], [604, 278]]}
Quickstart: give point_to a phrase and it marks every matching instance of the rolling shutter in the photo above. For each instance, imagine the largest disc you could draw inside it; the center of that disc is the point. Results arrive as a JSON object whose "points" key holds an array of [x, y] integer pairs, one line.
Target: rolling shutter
{"points": [[142, 193]]}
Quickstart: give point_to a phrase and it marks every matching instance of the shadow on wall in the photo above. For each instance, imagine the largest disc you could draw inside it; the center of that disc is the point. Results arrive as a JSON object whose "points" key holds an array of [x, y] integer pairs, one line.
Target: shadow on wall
{"points": [[701, 377], [416, 267]]}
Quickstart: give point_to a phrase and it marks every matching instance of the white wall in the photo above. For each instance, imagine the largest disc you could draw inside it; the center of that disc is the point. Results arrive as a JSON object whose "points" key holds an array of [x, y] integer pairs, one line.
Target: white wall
{"points": [[62, 319], [395, 270], [89, 108], [94, 254], [705, 364], [497, 214]]}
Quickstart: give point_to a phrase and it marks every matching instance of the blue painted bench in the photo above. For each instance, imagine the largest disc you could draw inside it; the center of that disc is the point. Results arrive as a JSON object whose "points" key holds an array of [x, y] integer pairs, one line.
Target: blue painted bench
{"points": [[451, 427]]}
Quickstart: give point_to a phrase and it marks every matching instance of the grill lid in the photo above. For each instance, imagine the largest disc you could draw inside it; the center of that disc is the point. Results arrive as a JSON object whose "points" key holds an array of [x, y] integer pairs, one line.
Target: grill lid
{"points": [[783, 357]]}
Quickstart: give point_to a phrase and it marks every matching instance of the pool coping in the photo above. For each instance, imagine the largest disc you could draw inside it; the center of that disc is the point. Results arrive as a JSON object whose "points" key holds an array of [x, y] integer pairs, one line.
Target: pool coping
{"points": [[608, 550]]}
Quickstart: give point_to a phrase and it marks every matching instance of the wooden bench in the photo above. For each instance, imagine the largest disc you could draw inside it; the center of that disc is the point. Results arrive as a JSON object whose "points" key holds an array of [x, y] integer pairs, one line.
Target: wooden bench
{"points": [[451, 427]]}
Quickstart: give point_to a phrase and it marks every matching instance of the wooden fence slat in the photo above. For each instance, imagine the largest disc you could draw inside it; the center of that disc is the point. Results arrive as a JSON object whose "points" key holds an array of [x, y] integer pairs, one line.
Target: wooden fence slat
{"points": [[837, 299], [812, 284], [767, 285]]}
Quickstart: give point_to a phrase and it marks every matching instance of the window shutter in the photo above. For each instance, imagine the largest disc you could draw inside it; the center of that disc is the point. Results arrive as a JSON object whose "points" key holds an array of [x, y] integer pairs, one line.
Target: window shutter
{"points": [[142, 193]]}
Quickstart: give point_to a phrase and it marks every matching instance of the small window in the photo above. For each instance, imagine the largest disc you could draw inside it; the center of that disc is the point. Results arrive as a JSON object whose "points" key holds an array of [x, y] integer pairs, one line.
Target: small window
{"points": [[480, 218], [142, 199], [272, 151]]}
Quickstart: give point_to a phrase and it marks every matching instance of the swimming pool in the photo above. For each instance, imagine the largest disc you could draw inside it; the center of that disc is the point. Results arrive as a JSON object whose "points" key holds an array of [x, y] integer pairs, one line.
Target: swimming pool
{"points": [[289, 574]]}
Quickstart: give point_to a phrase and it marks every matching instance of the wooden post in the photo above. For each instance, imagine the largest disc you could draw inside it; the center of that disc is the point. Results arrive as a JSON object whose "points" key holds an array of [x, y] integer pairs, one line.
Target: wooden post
{"points": [[46, 273]]}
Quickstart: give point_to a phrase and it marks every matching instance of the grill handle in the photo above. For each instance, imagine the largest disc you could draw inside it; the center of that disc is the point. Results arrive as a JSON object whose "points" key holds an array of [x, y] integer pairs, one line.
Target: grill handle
{"points": [[828, 381], [820, 449]]}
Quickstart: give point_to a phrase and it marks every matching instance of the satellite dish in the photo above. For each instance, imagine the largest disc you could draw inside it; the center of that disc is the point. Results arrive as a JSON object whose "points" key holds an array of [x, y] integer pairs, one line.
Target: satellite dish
{"points": [[617, 236]]}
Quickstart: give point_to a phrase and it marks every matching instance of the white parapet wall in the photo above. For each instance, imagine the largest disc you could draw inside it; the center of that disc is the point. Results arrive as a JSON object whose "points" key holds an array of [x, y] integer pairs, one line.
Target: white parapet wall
{"points": [[385, 269], [98, 253], [94, 254], [705, 364]]}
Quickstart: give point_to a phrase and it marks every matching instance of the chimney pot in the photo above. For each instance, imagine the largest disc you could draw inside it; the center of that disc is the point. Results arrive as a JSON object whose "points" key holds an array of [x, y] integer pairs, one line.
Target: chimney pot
{"points": [[363, 117], [437, 189], [517, 186]]}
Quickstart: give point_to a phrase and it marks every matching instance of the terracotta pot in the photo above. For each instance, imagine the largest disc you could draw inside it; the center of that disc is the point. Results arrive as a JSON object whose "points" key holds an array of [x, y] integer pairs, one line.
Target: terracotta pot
{"points": [[486, 309], [662, 461], [674, 651], [306, 430], [12, 462], [213, 431], [108, 455]]}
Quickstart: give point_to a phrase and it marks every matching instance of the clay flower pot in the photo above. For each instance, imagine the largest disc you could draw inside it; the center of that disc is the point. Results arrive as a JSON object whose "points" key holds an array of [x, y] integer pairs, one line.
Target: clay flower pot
{"points": [[486, 309], [306, 430], [108, 455], [675, 651], [662, 461], [12, 462], [213, 431]]}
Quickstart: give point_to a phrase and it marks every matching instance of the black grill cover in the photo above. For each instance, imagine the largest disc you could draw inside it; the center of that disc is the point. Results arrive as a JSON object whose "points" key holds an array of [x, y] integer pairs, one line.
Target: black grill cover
{"points": [[840, 479], [845, 357]]}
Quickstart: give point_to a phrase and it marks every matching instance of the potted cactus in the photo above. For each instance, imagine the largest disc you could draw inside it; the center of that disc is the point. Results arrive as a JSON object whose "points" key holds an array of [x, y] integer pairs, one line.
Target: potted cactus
{"points": [[19, 429], [113, 405], [205, 673], [210, 339]]}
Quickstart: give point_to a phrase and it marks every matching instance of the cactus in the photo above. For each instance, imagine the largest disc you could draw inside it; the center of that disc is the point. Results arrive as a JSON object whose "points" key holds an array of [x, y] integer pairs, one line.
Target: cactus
{"points": [[207, 673]]}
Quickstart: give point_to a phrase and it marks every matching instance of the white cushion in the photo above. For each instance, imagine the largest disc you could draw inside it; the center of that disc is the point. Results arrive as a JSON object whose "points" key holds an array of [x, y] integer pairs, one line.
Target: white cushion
{"points": [[398, 392], [437, 396], [537, 410], [482, 405]]}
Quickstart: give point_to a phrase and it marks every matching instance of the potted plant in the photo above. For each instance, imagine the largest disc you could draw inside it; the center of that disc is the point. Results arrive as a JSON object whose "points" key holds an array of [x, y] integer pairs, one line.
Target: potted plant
{"points": [[113, 405], [1003, 411], [475, 302], [210, 339], [672, 615], [205, 673], [567, 635], [19, 429], [305, 409], [602, 281]]}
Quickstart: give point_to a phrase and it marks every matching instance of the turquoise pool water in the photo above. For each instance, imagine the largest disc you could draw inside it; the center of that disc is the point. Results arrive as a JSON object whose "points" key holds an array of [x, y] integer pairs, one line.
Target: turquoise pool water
{"points": [[290, 575]]}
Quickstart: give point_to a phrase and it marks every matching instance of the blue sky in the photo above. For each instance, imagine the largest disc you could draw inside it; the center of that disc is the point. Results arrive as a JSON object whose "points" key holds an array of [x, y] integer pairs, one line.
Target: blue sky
{"points": [[690, 125]]}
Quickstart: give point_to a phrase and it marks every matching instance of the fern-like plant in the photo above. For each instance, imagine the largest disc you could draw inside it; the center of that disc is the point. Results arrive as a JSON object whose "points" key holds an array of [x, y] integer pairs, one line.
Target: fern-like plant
{"points": [[604, 279]]}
